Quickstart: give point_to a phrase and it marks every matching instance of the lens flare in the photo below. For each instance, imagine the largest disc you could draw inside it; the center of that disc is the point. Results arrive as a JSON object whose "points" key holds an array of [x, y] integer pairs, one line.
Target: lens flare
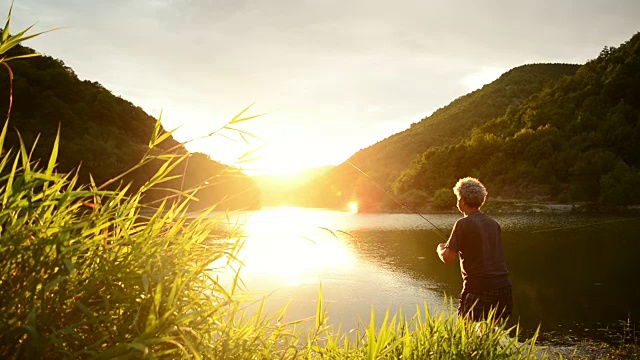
{"points": [[353, 207]]}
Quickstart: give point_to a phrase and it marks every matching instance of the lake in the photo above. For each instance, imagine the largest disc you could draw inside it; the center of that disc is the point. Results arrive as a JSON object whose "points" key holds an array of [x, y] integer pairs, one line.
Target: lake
{"points": [[574, 274]]}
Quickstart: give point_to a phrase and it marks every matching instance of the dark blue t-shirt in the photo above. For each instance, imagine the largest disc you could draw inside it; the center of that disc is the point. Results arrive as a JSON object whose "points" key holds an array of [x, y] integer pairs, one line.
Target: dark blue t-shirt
{"points": [[476, 239]]}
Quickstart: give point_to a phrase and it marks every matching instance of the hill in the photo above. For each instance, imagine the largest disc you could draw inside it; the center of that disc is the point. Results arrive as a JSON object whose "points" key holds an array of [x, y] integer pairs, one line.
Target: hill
{"points": [[100, 132], [576, 140], [385, 160]]}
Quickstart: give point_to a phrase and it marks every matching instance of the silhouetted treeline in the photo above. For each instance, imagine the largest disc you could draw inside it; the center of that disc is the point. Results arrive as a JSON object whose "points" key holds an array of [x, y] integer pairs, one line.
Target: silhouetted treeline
{"points": [[101, 133]]}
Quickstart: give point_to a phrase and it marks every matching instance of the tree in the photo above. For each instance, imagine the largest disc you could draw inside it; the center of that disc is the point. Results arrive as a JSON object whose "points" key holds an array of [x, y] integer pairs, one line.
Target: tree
{"points": [[444, 199], [620, 186]]}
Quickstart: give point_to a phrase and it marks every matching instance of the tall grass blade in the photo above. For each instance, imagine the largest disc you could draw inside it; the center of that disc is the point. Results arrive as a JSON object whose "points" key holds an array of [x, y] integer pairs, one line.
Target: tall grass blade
{"points": [[3, 134], [8, 190], [10, 88], [238, 117], [54, 154], [5, 30], [320, 320], [17, 39]]}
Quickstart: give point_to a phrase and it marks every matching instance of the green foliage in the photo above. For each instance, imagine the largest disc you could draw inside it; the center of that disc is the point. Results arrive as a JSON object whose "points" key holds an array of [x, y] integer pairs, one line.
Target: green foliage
{"points": [[588, 170], [414, 198], [620, 186], [92, 273], [8, 41], [444, 199], [424, 336], [576, 140]]}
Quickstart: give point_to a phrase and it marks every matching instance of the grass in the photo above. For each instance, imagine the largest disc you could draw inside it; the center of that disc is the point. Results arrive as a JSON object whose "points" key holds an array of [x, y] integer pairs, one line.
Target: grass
{"points": [[423, 336], [89, 275]]}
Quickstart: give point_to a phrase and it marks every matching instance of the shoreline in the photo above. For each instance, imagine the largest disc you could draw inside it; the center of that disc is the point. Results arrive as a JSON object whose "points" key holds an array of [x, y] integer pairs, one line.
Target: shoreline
{"points": [[519, 207]]}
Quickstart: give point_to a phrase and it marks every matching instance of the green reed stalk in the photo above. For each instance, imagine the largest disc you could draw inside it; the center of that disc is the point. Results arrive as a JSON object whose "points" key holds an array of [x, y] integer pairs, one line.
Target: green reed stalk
{"points": [[424, 336], [89, 275]]}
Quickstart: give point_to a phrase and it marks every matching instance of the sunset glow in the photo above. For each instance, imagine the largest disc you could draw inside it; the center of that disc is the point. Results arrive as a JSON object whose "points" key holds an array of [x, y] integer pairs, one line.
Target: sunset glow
{"points": [[314, 79], [268, 153], [353, 207], [291, 247]]}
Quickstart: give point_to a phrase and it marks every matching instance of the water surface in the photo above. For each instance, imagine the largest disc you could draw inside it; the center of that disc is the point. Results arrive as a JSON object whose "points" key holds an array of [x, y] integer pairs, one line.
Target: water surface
{"points": [[573, 274]]}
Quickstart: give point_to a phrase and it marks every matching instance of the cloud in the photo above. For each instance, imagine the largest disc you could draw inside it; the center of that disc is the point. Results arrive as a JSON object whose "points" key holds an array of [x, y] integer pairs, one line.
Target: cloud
{"points": [[317, 67]]}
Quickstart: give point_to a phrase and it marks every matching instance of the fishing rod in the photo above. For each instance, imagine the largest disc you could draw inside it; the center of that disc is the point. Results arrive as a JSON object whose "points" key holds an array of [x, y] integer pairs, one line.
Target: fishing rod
{"points": [[439, 231]]}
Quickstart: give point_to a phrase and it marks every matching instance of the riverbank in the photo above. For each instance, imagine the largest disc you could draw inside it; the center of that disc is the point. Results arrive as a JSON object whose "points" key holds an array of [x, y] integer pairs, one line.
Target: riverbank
{"points": [[520, 206], [515, 207]]}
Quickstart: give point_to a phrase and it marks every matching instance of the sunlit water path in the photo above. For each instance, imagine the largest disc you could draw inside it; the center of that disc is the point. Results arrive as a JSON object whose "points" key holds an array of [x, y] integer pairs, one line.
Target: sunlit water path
{"points": [[573, 273]]}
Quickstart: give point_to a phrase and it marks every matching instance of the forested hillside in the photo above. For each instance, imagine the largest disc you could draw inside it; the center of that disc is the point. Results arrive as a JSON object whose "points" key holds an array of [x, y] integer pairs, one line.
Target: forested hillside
{"points": [[101, 133], [577, 140], [385, 160]]}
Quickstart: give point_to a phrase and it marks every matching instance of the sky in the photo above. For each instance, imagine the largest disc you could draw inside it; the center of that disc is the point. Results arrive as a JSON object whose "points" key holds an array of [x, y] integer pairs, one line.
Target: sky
{"points": [[330, 77]]}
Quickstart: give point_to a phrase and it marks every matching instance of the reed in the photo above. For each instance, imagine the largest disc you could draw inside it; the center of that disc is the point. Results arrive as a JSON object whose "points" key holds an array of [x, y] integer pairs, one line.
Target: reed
{"points": [[87, 272], [423, 336]]}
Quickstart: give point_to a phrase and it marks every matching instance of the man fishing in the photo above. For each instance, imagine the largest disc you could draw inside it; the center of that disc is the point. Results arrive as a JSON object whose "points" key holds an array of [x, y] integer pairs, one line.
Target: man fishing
{"points": [[476, 238]]}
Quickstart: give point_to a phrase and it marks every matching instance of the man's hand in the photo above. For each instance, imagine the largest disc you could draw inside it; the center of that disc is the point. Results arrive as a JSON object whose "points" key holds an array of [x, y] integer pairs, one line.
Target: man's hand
{"points": [[445, 254]]}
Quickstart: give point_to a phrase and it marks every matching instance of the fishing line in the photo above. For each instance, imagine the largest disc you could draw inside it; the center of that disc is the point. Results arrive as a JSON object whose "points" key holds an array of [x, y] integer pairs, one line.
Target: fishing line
{"points": [[439, 232]]}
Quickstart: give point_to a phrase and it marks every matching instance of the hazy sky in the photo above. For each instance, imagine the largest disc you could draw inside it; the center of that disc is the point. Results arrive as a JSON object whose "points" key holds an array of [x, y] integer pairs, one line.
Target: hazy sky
{"points": [[332, 77]]}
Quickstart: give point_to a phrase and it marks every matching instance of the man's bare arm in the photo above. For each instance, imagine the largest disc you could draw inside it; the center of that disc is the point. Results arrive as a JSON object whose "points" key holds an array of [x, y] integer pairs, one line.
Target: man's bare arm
{"points": [[446, 255]]}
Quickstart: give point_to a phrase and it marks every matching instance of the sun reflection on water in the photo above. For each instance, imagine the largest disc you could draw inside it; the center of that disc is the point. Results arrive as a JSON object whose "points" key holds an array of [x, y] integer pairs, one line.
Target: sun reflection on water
{"points": [[290, 253], [286, 247]]}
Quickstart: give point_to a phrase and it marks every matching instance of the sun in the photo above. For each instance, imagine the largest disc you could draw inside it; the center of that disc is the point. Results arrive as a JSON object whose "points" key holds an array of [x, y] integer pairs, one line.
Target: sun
{"points": [[353, 207]]}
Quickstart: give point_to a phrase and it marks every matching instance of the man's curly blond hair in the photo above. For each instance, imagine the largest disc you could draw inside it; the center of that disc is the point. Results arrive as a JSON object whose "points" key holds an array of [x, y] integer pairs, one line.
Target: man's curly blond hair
{"points": [[471, 191]]}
